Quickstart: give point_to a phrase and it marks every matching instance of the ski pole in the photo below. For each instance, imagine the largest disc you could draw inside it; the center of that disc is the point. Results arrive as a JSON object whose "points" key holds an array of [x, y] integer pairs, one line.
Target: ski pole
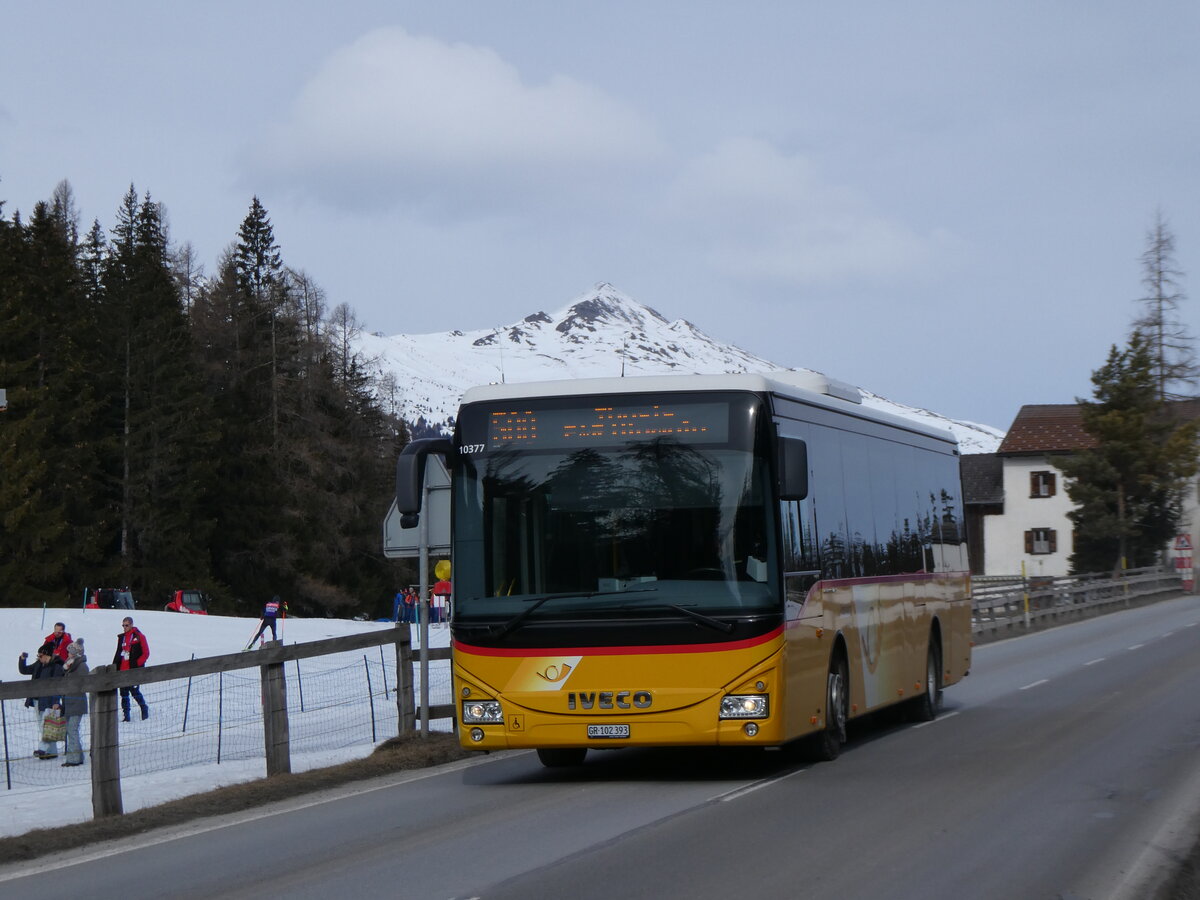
{"points": [[250, 643]]}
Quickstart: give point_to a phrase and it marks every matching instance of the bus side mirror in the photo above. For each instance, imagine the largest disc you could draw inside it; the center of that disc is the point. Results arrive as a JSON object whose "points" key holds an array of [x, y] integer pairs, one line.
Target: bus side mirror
{"points": [[410, 476], [793, 469]]}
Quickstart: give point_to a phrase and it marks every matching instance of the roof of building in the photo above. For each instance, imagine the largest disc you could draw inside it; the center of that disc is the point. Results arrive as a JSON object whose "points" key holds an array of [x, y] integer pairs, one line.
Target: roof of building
{"points": [[1058, 427], [1046, 428], [982, 478]]}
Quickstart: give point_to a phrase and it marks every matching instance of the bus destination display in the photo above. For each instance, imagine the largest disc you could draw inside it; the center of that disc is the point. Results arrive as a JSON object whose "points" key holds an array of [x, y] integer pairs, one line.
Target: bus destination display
{"points": [[608, 425]]}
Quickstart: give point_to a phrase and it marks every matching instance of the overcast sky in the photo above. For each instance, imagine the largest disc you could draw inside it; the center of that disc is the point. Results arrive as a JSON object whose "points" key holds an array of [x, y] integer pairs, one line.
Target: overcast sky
{"points": [[944, 203]]}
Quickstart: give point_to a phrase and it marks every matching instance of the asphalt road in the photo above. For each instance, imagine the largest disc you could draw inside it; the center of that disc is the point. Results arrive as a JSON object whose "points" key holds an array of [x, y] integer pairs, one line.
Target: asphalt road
{"points": [[1065, 766]]}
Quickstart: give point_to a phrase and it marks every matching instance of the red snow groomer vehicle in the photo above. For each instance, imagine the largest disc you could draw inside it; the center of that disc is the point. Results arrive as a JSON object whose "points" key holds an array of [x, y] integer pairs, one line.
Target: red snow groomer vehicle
{"points": [[107, 598], [189, 601]]}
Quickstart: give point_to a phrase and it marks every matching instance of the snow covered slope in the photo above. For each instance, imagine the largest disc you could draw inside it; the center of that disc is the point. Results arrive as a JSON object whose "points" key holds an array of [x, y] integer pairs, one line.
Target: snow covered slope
{"points": [[602, 333]]}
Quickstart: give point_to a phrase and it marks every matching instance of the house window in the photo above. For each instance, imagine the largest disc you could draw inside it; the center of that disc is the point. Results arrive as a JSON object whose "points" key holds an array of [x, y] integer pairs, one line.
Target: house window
{"points": [[1041, 484], [1039, 541]]}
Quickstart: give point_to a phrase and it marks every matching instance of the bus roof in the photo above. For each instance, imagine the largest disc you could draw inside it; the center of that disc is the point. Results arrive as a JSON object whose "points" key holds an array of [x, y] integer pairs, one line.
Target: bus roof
{"points": [[811, 388]]}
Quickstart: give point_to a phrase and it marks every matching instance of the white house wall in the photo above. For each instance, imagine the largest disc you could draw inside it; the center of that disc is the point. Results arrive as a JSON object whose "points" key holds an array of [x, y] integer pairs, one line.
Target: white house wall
{"points": [[1004, 535]]}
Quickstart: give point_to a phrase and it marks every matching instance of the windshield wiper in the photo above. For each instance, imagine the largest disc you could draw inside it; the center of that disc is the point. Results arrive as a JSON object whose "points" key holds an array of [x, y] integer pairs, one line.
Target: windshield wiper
{"points": [[718, 624], [500, 631], [700, 617]]}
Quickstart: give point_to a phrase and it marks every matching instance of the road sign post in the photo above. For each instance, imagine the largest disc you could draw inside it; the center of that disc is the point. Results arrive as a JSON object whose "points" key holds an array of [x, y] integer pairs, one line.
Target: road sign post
{"points": [[1182, 552]]}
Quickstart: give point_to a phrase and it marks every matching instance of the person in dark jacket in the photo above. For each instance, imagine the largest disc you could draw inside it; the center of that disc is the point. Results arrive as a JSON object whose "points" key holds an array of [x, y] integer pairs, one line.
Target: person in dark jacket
{"points": [[272, 611], [132, 652], [74, 706], [47, 666]]}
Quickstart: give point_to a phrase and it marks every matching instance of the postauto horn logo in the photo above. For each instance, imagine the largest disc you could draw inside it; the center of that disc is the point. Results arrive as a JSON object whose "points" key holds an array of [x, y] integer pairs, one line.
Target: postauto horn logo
{"points": [[543, 673], [554, 673]]}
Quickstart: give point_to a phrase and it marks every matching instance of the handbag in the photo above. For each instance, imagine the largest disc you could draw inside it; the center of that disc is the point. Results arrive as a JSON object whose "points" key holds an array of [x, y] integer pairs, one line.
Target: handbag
{"points": [[54, 727]]}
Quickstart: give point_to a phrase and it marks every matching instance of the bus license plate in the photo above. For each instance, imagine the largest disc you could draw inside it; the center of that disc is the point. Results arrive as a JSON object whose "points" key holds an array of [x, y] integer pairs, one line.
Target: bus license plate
{"points": [[608, 731]]}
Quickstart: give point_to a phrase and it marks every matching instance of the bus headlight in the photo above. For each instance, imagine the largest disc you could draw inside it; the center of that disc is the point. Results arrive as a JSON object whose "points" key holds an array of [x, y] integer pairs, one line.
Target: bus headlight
{"points": [[744, 706], [486, 712]]}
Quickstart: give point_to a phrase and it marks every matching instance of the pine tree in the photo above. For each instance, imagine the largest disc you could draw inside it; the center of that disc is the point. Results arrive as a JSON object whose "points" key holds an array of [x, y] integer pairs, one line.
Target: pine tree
{"points": [[236, 322], [92, 256], [163, 469], [1170, 345], [189, 275], [1128, 490], [260, 276], [55, 522]]}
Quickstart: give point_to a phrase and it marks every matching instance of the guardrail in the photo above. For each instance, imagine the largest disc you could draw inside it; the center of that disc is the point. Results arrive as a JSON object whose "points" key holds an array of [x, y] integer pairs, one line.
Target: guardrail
{"points": [[1003, 606]]}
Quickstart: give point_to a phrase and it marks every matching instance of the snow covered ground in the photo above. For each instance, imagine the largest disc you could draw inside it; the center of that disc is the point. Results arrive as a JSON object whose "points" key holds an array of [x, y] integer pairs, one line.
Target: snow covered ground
{"points": [[172, 638]]}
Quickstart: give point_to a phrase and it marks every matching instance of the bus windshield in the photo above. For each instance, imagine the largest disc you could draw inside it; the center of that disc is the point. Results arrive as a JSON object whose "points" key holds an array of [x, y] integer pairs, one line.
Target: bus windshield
{"points": [[646, 517]]}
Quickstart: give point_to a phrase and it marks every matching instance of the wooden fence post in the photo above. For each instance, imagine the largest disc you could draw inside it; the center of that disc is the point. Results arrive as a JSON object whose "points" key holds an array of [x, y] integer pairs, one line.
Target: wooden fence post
{"points": [[406, 715], [276, 741], [106, 752]]}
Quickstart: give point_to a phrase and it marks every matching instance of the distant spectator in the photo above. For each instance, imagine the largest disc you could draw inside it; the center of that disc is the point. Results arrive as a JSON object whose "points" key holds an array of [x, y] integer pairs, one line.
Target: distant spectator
{"points": [[132, 652], [441, 601], [404, 608], [75, 706], [59, 640], [47, 666]]}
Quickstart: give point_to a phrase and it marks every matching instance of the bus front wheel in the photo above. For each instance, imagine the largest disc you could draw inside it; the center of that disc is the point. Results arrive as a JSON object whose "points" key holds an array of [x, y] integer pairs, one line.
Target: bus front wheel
{"points": [[561, 757], [925, 707], [828, 744]]}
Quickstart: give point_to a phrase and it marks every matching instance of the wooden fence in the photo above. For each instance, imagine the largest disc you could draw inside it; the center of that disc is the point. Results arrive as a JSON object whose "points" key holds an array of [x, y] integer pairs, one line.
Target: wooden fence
{"points": [[103, 683]]}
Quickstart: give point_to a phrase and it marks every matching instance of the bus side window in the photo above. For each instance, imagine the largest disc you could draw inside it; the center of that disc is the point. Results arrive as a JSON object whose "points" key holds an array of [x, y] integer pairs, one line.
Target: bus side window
{"points": [[800, 564]]}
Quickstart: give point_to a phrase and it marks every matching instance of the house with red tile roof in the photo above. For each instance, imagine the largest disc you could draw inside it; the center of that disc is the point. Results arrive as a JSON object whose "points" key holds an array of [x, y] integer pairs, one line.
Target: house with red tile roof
{"points": [[1015, 499], [1034, 529]]}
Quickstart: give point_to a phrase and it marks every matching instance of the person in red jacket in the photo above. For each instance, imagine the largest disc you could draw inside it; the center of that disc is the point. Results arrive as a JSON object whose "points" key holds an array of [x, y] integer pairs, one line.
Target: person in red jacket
{"points": [[132, 652], [441, 602], [60, 640]]}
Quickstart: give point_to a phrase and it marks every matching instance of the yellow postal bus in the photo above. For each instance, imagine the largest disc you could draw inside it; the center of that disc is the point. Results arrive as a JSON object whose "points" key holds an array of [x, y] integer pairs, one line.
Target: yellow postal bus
{"points": [[703, 560]]}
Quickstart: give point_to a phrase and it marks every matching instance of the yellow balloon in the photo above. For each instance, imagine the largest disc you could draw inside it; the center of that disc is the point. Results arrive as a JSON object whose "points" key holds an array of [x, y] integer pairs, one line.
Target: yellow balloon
{"points": [[442, 569]]}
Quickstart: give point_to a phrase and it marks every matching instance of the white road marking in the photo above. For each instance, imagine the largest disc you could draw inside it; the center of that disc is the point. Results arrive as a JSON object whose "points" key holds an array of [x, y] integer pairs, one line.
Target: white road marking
{"points": [[751, 788], [1035, 684], [1135, 647], [941, 718], [50, 863], [1092, 662]]}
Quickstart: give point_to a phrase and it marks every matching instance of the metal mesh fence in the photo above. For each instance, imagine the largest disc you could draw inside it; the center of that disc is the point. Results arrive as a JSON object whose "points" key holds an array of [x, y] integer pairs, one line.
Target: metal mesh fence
{"points": [[334, 701]]}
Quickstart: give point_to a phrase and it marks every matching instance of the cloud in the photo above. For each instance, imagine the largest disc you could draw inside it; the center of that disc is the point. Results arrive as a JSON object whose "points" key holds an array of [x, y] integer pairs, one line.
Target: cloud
{"points": [[397, 117], [764, 215]]}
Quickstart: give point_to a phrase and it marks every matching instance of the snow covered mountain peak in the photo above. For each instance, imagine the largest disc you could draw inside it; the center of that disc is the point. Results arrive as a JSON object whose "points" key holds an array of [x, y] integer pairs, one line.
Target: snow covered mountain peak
{"points": [[600, 333], [606, 307]]}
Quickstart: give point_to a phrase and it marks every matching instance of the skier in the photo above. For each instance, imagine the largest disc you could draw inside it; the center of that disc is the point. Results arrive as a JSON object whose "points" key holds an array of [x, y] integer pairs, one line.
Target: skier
{"points": [[274, 608]]}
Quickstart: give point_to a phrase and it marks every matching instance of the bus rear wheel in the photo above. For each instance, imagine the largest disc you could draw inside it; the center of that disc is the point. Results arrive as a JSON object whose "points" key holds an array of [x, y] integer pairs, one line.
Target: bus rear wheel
{"points": [[925, 707], [828, 744], [561, 757]]}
